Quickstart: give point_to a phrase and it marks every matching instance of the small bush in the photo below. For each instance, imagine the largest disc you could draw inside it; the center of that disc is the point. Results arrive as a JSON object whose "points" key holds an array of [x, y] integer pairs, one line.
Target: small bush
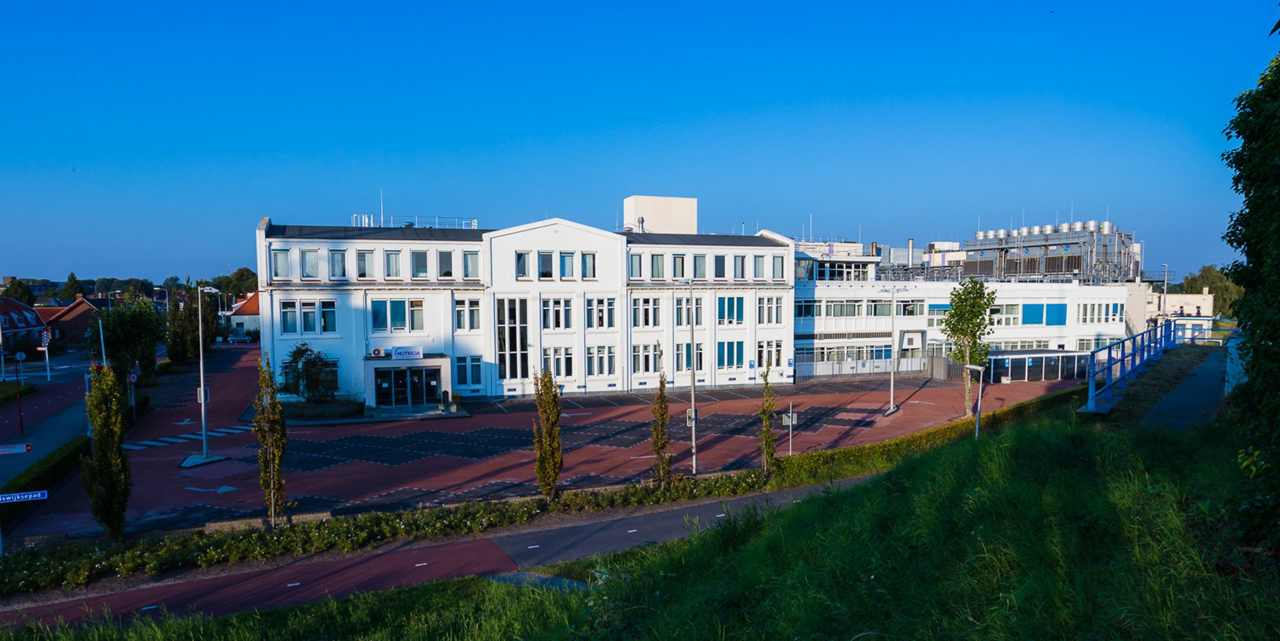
{"points": [[44, 474]]}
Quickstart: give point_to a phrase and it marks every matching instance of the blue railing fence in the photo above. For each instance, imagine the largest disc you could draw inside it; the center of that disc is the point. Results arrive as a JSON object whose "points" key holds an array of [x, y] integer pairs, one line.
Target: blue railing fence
{"points": [[1112, 365]]}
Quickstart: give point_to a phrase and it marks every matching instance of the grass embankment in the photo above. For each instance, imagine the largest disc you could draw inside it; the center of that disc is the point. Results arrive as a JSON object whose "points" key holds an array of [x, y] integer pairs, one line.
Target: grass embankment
{"points": [[9, 391], [1057, 527]]}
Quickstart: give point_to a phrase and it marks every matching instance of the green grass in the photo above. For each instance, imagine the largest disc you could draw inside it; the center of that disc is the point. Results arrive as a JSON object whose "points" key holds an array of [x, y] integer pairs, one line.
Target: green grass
{"points": [[9, 391], [1055, 527]]}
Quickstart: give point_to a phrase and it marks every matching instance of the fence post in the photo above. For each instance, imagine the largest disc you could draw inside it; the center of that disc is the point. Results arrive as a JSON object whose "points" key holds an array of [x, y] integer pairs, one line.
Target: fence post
{"points": [[1093, 385]]}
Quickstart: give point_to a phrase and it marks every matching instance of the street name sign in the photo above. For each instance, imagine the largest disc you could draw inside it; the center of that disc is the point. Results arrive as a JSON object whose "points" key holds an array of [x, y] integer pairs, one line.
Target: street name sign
{"points": [[20, 448], [24, 496]]}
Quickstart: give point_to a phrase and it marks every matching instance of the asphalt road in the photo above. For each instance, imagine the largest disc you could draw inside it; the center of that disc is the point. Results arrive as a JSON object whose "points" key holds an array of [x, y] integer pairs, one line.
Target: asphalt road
{"points": [[309, 582]]}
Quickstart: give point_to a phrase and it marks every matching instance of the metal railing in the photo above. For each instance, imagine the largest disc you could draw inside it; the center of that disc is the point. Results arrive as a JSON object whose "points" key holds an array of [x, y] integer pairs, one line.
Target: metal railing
{"points": [[1113, 364]]}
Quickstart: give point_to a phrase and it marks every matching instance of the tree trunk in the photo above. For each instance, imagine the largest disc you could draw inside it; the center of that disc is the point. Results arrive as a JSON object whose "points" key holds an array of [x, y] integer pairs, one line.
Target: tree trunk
{"points": [[968, 389]]}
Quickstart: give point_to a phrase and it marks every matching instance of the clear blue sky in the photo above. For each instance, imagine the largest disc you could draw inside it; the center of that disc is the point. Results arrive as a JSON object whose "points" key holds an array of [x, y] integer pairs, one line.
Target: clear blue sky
{"points": [[149, 140]]}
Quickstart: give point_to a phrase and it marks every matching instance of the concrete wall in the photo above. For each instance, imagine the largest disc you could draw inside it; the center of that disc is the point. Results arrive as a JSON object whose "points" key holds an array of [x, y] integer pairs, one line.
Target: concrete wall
{"points": [[661, 214]]}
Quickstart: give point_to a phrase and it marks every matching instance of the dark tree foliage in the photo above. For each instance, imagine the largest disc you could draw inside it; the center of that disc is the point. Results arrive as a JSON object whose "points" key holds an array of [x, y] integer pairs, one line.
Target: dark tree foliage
{"points": [[134, 329], [106, 476], [1255, 233], [546, 434], [307, 374], [1225, 292], [71, 288], [18, 290], [273, 439], [661, 410], [768, 440]]}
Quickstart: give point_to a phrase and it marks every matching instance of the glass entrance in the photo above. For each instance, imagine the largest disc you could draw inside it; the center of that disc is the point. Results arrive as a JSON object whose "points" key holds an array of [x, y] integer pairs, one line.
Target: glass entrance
{"points": [[406, 386]]}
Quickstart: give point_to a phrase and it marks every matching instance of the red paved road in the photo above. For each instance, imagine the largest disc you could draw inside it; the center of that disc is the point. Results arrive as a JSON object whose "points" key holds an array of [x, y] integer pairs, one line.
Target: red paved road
{"points": [[289, 585], [49, 399]]}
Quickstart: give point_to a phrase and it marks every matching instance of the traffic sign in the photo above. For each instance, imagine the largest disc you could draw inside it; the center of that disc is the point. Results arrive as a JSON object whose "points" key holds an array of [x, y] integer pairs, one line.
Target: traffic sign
{"points": [[21, 448], [133, 378], [24, 496], [45, 336], [21, 356]]}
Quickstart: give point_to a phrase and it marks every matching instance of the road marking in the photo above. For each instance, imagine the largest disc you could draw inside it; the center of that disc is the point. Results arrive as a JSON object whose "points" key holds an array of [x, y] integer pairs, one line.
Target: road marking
{"points": [[293, 585], [534, 547], [632, 531], [419, 565], [149, 607], [185, 421], [578, 414], [719, 516]]}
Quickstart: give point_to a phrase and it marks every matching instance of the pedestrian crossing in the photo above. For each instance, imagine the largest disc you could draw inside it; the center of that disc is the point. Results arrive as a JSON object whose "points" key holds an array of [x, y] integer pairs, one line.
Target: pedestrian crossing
{"points": [[164, 441]]}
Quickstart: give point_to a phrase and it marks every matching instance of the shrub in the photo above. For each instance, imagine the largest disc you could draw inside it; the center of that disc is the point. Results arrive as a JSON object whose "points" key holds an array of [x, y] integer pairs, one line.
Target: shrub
{"points": [[309, 374], [44, 474]]}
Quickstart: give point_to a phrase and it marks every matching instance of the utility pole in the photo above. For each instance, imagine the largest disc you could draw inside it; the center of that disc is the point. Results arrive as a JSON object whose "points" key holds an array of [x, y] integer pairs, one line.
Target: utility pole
{"points": [[692, 359]]}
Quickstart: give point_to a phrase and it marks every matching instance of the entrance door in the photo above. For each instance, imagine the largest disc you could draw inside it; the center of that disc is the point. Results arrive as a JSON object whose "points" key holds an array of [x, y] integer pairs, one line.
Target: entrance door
{"points": [[382, 383], [417, 386], [433, 384], [400, 387]]}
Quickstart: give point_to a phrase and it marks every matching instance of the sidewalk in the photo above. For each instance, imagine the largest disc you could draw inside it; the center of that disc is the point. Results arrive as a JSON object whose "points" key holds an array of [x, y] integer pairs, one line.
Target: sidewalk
{"points": [[1194, 401], [44, 437]]}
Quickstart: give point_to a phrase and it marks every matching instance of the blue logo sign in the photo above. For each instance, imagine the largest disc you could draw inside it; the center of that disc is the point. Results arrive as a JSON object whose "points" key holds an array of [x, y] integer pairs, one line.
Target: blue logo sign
{"points": [[1027, 250], [24, 496], [982, 253], [1066, 248]]}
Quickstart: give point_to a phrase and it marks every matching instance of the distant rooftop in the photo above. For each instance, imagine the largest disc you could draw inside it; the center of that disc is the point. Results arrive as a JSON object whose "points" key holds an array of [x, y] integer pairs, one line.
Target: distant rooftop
{"points": [[714, 240], [336, 232]]}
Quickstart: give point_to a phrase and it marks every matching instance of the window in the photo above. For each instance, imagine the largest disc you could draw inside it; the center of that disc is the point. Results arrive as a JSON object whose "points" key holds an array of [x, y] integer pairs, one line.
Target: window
{"points": [[466, 315], [806, 268], [444, 260], [545, 266], [634, 267], [728, 354], [769, 310], [599, 313], [759, 271], [364, 264], [601, 361], [522, 264], [513, 338], [566, 265], [729, 310], [808, 309], [677, 266], [911, 308], [378, 314], [310, 263], [655, 265], [779, 265], [683, 356], [279, 263], [558, 361], [308, 317], [768, 354], [418, 262], [557, 313], [588, 266], [399, 319], [415, 316], [719, 266], [700, 266], [393, 264], [645, 312], [644, 359], [739, 267], [471, 265], [468, 371], [682, 312], [937, 313], [879, 308], [337, 264], [1006, 315], [841, 271], [842, 308], [288, 317]]}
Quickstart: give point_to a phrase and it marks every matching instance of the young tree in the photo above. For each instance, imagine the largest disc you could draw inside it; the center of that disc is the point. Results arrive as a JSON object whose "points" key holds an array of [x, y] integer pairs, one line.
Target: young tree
{"points": [[269, 427], [71, 288], [1254, 233], [546, 434], [965, 325], [308, 374], [133, 330], [18, 290], [768, 440], [106, 475], [178, 337], [661, 416]]}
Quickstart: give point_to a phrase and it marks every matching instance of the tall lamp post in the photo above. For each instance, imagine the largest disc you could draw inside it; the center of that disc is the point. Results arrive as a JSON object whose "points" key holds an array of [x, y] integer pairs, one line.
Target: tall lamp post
{"points": [[203, 392], [1164, 291], [111, 299], [893, 337], [977, 419], [691, 361]]}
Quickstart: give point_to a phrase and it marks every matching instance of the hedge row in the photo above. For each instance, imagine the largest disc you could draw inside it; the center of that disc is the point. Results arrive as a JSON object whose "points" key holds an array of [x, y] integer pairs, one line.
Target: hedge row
{"points": [[73, 566], [9, 392], [44, 474]]}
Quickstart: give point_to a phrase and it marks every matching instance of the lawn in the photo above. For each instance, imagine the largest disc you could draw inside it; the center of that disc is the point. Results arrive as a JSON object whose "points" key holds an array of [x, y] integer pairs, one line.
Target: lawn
{"points": [[1057, 527]]}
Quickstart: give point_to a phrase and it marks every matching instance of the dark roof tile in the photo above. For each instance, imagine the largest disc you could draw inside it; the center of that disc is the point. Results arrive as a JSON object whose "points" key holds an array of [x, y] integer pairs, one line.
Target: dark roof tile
{"points": [[334, 232]]}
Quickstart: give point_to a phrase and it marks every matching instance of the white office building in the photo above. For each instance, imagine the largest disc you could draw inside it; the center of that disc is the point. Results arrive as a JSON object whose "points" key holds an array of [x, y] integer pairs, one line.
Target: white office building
{"points": [[409, 314]]}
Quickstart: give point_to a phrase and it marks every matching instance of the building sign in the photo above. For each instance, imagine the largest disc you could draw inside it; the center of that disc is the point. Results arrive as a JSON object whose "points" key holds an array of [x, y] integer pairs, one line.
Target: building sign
{"points": [[401, 353]]}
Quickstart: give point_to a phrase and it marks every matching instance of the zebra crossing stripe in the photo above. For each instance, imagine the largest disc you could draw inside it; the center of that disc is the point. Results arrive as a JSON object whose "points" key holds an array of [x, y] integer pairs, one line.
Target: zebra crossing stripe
{"points": [[129, 446], [170, 439], [150, 444]]}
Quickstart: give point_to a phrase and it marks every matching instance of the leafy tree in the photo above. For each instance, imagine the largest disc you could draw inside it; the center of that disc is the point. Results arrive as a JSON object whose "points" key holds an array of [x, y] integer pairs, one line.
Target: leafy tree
{"points": [[307, 374], [243, 281], [768, 440], [184, 323], [19, 290], [71, 288], [133, 329], [106, 476], [273, 439], [965, 325], [1254, 232], [661, 410], [171, 283], [104, 286], [1225, 293], [546, 434]]}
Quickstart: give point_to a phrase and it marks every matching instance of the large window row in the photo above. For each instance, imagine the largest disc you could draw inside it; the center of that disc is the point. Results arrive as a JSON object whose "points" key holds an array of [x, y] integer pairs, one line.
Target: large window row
{"points": [[852, 308], [660, 266], [308, 317], [394, 264], [551, 265]]}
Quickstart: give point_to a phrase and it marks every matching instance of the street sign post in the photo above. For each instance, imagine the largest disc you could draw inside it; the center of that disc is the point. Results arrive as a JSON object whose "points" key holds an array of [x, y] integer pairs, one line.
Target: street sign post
{"points": [[20, 356], [45, 337], [18, 498], [20, 448]]}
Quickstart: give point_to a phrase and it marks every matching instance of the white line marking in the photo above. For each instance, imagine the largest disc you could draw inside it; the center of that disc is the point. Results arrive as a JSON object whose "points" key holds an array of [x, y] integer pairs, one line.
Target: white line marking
{"points": [[719, 516], [534, 547], [419, 565], [631, 531], [149, 607], [291, 585]]}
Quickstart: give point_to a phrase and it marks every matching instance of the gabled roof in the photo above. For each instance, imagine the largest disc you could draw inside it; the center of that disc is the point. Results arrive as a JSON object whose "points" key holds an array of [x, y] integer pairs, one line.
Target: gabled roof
{"points": [[247, 307], [54, 313], [19, 316], [335, 232], [709, 240]]}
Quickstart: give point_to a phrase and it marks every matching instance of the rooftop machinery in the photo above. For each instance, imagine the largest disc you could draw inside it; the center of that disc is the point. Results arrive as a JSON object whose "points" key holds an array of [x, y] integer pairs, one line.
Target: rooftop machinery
{"points": [[1089, 251]]}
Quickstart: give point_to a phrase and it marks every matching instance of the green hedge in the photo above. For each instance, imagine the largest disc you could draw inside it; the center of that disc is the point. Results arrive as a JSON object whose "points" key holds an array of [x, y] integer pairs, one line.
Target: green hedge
{"points": [[167, 367], [847, 462], [46, 472], [9, 391]]}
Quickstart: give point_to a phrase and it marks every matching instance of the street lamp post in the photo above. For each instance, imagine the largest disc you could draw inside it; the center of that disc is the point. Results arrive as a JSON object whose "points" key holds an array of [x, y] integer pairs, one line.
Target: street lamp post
{"points": [[111, 299], [691, 361], [203, 392], [1164, 291], [977, 419], [893, 337]]}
